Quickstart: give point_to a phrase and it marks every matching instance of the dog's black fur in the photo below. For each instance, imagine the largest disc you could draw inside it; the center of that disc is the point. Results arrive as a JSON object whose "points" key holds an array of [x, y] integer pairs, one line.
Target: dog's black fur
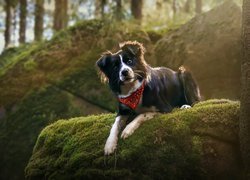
{"points": [[164, 90]]}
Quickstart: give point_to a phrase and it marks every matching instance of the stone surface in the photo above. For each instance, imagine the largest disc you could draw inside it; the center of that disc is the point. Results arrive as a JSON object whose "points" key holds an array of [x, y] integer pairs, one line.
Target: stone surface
{"points": [[210, 46]]}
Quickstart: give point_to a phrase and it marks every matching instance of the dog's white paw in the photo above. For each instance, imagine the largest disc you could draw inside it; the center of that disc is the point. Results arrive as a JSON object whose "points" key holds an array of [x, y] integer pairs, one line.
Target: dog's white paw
{"points": [[185, 106], [128, 131], [110, 146]]}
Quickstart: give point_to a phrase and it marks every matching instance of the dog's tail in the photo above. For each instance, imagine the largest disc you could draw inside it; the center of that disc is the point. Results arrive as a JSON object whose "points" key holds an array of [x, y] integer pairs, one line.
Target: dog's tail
{"points": [[191, 89]]}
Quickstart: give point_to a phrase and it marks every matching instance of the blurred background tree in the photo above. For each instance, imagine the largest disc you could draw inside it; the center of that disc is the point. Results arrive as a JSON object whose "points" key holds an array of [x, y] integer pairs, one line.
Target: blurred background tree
{"points": [[60, 14], [9, 10], [28, 20], [22, 23], [198, 6], [136, 9], [187, 6], [99, 8], [39, 13]]}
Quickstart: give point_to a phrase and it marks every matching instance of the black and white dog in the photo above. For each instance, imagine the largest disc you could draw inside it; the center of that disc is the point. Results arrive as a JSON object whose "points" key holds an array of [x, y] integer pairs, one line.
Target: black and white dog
{"points": [[141, 90]]}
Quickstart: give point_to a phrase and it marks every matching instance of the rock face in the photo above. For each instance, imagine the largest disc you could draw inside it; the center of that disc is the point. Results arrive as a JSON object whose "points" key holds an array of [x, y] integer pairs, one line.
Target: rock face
{"points": [[198, 143], [210, 46]]}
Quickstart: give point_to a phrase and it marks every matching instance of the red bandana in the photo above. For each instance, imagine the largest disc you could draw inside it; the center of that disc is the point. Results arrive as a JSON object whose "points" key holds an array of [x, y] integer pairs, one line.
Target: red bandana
{"points": [[133, 100]]}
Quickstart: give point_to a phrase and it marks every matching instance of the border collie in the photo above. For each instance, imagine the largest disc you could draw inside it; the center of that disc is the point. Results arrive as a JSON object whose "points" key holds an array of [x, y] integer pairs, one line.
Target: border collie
{"points": [[141, 90]]}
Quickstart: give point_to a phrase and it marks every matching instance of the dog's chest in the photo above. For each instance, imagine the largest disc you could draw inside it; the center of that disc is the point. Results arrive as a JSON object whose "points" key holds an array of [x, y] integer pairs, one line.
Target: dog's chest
{"points": [[141, 100], [141, 108]]}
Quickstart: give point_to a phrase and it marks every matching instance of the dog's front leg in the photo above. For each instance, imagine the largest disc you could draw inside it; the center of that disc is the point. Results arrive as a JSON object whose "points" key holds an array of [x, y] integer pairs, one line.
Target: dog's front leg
{"points": [[131, 127], [111, 142]]}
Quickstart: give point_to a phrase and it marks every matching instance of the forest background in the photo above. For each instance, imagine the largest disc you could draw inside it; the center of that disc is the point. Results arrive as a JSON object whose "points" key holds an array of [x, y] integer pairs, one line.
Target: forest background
{"points": [[47, 73]]}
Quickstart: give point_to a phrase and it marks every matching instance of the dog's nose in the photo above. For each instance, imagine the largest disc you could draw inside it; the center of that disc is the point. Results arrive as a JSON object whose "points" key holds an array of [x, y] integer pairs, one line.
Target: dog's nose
{"points": [[125, 72]]}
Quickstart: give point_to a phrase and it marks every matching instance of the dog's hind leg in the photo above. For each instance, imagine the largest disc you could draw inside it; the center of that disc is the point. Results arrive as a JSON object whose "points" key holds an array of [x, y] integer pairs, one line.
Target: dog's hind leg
{"points": [[190, 87], [111, 142], [132, 126]]}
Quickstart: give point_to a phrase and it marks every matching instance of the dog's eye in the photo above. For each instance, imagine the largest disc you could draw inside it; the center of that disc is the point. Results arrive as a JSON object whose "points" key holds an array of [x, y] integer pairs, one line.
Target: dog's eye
{"points": [[129, 62]]}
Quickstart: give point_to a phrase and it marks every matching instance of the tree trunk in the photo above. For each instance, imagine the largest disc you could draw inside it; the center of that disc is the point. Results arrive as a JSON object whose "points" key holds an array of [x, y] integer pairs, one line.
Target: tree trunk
{"points": [[39, 13], [60, 14], [23, 14], [174, 8], [14, 23], [245, 91], [103, 3], [8, 22], [187, 6], [136, 9], [198, 6], [118, 13], [99, 8]]}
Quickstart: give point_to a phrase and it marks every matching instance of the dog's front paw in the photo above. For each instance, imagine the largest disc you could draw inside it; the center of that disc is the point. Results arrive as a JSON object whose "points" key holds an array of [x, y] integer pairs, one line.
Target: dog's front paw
{"points": [[128, 131], [110, 146], [185, 106]]}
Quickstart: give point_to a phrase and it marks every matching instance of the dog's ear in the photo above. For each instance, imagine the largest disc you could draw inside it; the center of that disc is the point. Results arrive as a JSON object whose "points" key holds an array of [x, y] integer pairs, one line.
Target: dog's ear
{"points": [[132, 47], [101, 64]]}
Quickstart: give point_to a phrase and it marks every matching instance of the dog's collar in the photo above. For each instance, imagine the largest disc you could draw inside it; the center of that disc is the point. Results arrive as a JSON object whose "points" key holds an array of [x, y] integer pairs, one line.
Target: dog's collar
{"points": [[133, 100]]}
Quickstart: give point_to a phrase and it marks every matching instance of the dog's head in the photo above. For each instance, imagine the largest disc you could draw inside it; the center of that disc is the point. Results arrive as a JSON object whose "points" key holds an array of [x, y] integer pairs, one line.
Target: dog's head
{"points": [[125, 66]]}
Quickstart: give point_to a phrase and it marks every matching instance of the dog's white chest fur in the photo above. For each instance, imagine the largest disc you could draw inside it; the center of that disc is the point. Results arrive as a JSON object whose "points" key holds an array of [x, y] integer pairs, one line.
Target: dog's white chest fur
{"points": [[127, 92]]}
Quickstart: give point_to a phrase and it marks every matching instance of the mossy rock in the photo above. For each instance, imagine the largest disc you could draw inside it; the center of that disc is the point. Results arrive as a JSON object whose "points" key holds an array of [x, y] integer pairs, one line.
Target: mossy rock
{"points": [[210, 46], [197, 143], [43, 82]]}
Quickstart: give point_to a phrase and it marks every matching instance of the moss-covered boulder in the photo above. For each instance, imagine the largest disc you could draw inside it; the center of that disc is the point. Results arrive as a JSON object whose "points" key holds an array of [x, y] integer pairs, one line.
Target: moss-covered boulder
{"points": [[210, 45], [198, 143], [43, 82], [67, 61]]}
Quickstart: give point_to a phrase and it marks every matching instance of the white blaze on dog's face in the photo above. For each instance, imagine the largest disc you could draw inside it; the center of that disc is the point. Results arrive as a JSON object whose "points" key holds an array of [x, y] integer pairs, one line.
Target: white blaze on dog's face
{"points": [[118, 67], [126, 73]]}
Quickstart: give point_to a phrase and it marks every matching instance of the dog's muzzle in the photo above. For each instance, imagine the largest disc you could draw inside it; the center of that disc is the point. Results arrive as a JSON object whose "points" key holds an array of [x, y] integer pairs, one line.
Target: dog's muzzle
{"points": [[126, 75]]}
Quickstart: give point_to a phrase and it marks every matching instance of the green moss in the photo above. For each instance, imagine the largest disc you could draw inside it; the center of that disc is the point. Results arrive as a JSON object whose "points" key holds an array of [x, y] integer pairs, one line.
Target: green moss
{"points": [[170, 146], [214, 101], [11, 56], [43, 82], [30, 65], [68, 58]]}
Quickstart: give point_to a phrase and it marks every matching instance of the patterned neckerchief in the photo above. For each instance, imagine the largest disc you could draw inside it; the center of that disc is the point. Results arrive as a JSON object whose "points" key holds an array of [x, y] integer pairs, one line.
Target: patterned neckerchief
{"points": [[133, 100]]}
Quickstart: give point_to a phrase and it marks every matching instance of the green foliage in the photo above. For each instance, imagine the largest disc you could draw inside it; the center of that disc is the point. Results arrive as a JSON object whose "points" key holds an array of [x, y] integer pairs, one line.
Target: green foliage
{"points": [[166, 147], [10, 57], [30, 65]]}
